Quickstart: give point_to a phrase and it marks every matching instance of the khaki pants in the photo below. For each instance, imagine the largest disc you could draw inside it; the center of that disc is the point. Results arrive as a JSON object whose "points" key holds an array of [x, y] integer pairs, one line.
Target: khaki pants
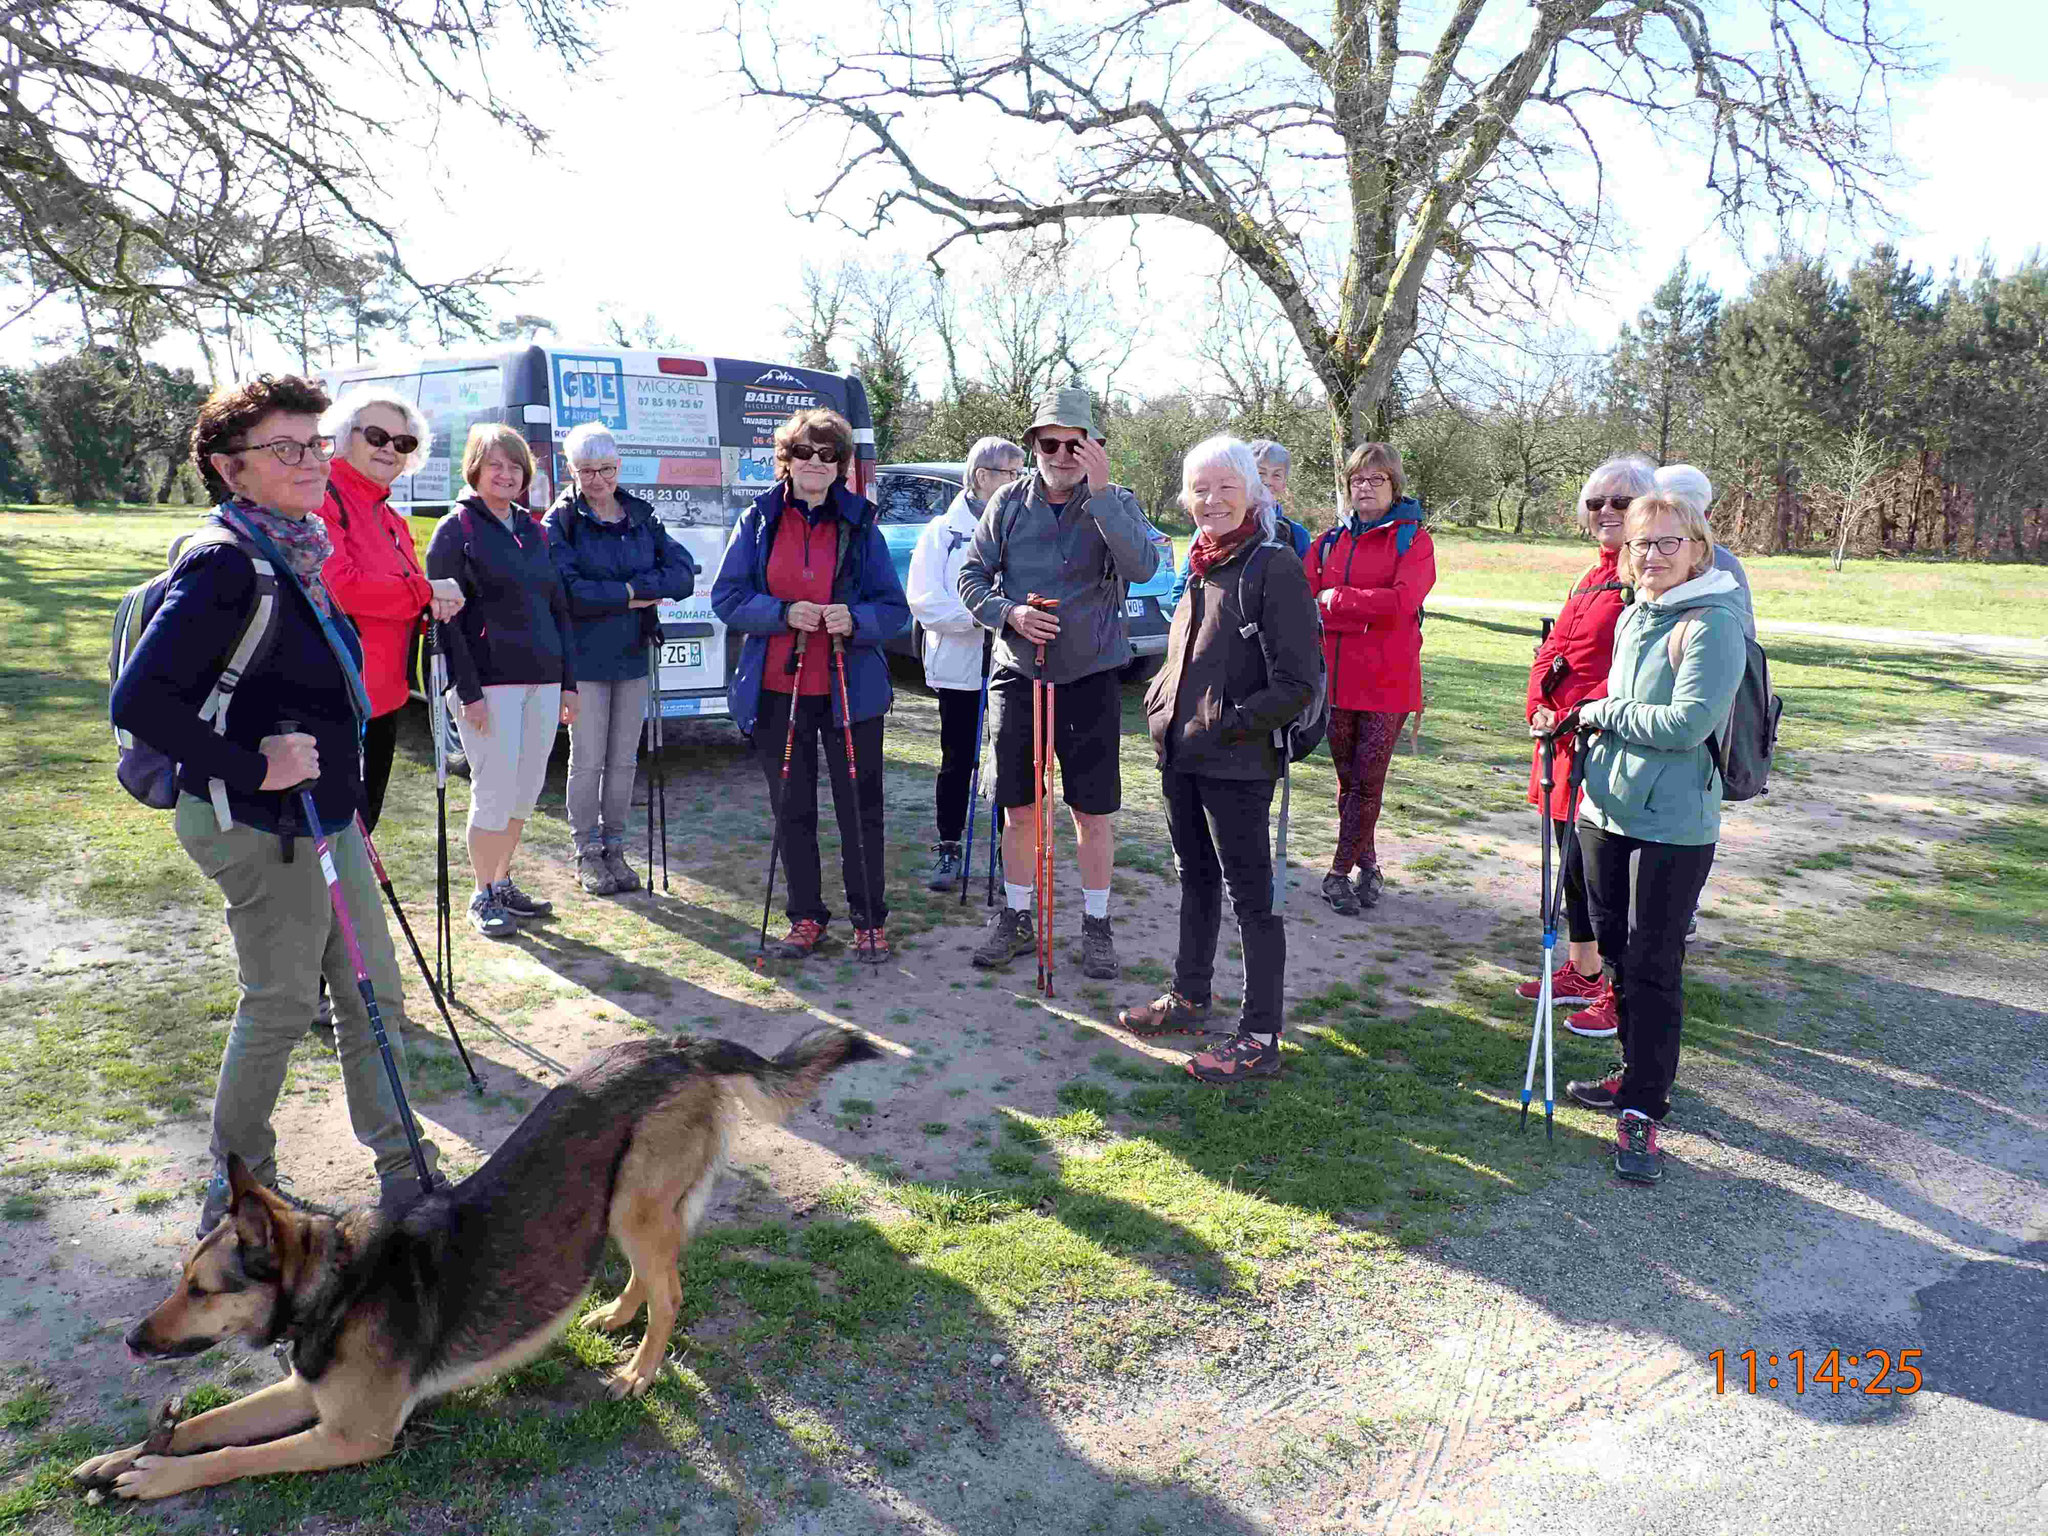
{"points": [[286, 938]]}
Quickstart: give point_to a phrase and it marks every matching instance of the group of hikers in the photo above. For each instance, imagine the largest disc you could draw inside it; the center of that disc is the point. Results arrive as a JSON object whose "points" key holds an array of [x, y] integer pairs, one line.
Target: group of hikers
{"points": [[1019, 591]]}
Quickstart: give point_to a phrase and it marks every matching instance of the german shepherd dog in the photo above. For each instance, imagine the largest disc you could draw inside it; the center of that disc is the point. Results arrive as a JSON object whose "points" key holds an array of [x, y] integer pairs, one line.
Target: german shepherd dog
{"points": [[384, 1310]]}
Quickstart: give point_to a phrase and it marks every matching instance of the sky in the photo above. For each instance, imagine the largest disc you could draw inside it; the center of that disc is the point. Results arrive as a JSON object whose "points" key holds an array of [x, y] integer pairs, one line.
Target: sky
{"points": [[661, 193]]}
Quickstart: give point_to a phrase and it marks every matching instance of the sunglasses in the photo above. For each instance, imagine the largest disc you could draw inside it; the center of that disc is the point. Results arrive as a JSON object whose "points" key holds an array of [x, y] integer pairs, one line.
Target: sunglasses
{"points": [[377, 437], [290, 451], [1070, 446], [1669, 545], [1619, 503], [805, 453]]}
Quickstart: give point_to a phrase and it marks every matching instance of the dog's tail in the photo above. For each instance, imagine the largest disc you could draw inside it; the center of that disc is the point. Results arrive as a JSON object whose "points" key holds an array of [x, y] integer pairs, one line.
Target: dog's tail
{"points": [[773, 1088]]}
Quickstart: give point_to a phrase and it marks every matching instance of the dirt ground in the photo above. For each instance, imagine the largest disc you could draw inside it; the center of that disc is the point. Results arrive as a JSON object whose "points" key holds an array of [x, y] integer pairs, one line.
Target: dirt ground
{"points": [[1545, 1368]]}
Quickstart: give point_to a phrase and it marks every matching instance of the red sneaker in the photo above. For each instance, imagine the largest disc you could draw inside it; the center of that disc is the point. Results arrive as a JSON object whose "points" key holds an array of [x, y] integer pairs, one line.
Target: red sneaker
{"points": [[1566, 986], [871, 946], [1601, 1020]]}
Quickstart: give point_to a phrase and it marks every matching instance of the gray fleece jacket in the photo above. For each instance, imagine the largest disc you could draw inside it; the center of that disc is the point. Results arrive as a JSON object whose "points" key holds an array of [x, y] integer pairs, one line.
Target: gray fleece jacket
{"points": [[1086, 554]]}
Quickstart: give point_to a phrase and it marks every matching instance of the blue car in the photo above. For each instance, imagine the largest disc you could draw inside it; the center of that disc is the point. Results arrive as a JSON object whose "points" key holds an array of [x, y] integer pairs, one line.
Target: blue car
{"points": [[911, 495]]}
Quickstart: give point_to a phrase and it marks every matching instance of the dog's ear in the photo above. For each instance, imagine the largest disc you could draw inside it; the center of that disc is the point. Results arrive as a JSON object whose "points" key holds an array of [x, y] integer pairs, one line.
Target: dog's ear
{"points": [[255, 1233], [240, 1180]]}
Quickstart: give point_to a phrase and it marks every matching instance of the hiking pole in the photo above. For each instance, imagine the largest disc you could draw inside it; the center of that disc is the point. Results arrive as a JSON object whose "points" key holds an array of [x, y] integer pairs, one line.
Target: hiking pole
{"points": [[658, 773], [437, 722], [860, 855], [1543, 1027], [304, 790], [476, 1083], [1044, 749], [780, 800], [974, 783]]}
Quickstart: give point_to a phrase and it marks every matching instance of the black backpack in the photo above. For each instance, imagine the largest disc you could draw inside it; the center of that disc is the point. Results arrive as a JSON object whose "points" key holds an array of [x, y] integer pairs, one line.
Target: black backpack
{"points": [[1741, 748], [1299, 736], [145, 772]]}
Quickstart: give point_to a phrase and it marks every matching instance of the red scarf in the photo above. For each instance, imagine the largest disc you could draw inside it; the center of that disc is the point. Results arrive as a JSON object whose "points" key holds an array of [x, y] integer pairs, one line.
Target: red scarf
{"points": [[1207, 553]]}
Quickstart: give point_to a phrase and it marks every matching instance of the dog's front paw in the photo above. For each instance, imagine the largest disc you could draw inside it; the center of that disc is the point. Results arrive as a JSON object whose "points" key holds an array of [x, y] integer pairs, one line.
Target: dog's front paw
{"points": [[626, 1382], [155, 1477], [101, 1471]]}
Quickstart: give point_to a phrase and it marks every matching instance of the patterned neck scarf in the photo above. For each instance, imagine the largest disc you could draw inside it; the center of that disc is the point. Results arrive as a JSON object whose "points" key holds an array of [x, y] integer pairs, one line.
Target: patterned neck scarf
{"points": [[302, 541], [1205, 554]]}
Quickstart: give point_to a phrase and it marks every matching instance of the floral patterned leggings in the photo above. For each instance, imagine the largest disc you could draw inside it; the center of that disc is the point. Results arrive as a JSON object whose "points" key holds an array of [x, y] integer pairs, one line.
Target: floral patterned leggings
{"points": [[1361, 745]]}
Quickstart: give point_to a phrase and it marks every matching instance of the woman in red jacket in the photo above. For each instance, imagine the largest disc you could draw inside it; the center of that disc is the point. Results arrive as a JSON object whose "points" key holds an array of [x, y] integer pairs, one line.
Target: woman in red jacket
{"points": [[1369, 575], [1570, 668], [374, 574]]}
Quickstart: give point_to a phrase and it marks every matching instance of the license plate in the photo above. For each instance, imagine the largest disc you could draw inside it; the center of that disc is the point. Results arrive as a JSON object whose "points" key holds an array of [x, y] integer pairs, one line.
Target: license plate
{"points": [[1134, 607], [682, 653]]}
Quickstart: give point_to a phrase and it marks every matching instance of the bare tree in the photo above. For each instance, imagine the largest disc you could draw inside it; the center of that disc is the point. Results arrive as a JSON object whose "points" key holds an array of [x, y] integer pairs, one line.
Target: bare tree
{"points": [[1348, 171], [815, 323], [167, 162], [1852, 465]]}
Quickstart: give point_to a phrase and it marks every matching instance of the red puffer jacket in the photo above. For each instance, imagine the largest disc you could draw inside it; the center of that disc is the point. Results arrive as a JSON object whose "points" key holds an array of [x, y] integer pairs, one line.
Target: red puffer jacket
{"points": [[1370, 597], [375, 576], [1583, 640]]}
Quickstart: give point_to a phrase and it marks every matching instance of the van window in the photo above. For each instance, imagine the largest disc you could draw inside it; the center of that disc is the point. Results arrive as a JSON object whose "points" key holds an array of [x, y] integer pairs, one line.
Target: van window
{"points": [[912, 498]]}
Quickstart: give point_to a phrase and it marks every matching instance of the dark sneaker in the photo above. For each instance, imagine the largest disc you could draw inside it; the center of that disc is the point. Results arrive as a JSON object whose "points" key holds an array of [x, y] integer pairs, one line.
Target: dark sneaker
{"points": [[623, 878], [1598, 1094], [1237, 1059], [1338, 893], [1167, 1014], [1636, 1157], [1010, 936], [801, 942], [487, 915], [1098, 950], [213, 1209], [593, 872], [519, 904], [945, 870], [1366, 885], [871, 946], [1692, 927], [1567, 985]]}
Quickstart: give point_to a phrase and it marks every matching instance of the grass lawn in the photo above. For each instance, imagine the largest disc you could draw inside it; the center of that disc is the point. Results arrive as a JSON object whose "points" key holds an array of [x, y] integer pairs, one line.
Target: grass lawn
{"points": [[1096, 1206]]}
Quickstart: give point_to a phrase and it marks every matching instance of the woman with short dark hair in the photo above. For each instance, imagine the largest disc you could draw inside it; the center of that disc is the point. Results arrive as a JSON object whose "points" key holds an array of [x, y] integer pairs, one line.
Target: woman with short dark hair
{"points": [[511, 663], [260, 450], [808, 561]]}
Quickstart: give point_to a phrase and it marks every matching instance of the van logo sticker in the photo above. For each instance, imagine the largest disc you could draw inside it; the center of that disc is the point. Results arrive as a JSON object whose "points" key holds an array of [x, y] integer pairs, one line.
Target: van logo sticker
{"points": [[781, 376]]}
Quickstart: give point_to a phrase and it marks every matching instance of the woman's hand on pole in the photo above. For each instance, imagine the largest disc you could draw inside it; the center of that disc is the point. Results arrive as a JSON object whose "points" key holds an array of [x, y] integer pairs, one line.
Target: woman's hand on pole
{"points": [[448, 599], [809, 617], [1541, 722], [292, 760], [838, 619]]}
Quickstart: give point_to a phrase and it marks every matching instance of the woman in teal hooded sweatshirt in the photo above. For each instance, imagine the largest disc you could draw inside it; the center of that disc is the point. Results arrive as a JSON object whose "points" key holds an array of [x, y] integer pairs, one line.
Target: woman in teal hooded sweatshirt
{"points": [[1652, 790]]}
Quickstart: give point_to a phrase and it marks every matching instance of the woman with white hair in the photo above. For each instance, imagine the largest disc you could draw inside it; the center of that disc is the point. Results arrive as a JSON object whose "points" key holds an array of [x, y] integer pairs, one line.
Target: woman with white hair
{"points": [[616, 563], [1571, 667], [1276, 465], [374, 573], [1240, 665], [956, 652], [1684, 483]]}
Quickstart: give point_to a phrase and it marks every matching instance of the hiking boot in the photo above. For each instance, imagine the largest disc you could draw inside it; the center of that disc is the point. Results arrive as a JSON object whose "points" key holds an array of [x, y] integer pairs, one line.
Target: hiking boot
{"points": [[487, 915], [1237, 1059], [213, 1209], [801, 942], [1098, 950], [1366, 885], [615, 860], [871, 946], [1338, 893], [1602, 1019], [593, 872], [945, 870], [1636, 1157], [1011, 936], [518, 903], [1598, 1094], [1567, 985], [1167, 1014]]}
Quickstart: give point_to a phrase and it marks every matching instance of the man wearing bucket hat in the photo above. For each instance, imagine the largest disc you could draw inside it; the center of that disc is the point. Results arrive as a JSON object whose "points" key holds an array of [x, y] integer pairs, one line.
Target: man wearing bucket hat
{"points": [[1066, 534]]}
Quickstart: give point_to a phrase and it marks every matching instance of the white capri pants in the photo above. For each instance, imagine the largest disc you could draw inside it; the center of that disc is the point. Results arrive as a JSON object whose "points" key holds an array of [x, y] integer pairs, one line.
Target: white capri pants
{"points": [[508, 759]]}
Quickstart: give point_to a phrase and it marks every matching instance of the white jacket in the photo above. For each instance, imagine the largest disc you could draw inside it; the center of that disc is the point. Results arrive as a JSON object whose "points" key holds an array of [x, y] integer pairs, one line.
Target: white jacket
{"points": [[952, 639]]}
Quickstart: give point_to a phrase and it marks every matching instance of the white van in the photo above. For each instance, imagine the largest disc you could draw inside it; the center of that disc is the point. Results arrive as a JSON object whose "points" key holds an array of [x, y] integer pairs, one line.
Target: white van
{"points": [[696, 439]]}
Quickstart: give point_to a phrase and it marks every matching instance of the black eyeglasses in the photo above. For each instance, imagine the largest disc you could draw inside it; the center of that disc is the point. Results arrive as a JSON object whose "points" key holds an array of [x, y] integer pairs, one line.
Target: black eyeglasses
{"points": [[1070, 446], [1669, 545], [1619, 503], [806, 453], [290, 451], [377, 437]]}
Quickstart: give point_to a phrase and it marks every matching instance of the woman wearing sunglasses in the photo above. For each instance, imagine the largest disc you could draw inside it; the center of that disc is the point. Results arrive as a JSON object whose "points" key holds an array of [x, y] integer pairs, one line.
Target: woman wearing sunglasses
{"points": [[1571, 667], [374, 572]]}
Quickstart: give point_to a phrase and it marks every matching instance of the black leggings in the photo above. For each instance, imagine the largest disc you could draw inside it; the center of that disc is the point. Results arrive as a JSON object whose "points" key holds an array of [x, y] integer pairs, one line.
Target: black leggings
{"points": [[1642, 943], [806, 887], [380, 742], [1578, 917], [959, 708]]}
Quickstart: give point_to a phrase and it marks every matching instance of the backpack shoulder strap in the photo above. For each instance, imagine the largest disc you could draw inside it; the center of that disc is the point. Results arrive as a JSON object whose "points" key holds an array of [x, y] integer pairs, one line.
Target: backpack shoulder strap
{"points": [[340, 506], [1674, 643], [259, 633]]}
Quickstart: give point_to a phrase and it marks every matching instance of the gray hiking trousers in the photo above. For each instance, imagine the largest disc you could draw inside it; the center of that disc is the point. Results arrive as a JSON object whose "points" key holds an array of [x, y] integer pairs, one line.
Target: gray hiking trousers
{"points": [[601, 747]]}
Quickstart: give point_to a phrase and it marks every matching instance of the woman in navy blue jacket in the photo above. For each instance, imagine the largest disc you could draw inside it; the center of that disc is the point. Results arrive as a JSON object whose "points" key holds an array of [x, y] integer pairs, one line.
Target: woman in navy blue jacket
{"points": [[617, 563], [260, 451], [808, 561]]}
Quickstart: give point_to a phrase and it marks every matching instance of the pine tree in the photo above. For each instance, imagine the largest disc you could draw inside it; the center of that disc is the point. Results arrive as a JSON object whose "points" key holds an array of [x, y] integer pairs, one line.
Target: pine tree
{"points": [[1658, 370]]}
